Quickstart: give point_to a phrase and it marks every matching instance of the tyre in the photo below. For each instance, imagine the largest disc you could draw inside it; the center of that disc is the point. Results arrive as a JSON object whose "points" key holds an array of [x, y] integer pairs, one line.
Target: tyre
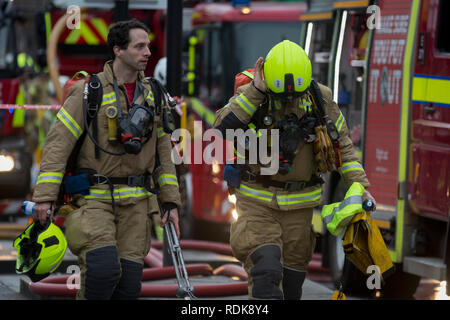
{"points": [[187, 219], [400, 285]]}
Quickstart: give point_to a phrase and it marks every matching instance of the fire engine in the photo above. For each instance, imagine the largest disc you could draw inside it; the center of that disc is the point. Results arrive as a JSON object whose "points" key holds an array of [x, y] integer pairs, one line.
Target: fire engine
{"points": [[387, 64]]}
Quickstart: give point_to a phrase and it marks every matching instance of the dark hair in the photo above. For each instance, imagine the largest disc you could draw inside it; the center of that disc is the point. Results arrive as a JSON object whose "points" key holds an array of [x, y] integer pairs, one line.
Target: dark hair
{"points": [[119, 34]]}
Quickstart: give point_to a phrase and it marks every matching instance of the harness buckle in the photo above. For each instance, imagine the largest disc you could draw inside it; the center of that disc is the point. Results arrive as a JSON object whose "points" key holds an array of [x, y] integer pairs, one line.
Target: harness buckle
{"points": [[294, 185], [97, 179], [136, 181], [251, 177]]}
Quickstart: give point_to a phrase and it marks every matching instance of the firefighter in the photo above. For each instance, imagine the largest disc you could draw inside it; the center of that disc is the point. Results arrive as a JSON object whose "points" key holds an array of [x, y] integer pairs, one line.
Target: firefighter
{"points": [[109, 230], [273, 236]]}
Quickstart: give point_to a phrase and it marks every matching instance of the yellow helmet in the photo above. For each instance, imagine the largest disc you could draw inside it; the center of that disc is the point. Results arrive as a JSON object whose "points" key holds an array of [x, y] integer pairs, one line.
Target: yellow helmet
{"points": [[40, 250], [287, 70]]}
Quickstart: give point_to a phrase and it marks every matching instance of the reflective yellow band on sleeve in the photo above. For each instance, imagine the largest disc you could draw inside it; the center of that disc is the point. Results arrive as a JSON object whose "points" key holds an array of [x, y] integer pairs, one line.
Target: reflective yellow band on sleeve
{"points": [[70, 123], [246, 105], [350, 166], [51, 177], [167, 179]]}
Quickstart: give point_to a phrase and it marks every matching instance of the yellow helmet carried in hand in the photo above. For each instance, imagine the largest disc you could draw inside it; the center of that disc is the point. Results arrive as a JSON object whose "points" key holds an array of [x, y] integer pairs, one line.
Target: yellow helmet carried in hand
{"points": [[40, 250], [287, 70]]}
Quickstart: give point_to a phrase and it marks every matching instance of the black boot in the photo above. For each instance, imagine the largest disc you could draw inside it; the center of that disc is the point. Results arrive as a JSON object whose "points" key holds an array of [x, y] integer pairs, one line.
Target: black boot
{"points": [[292, 283]]}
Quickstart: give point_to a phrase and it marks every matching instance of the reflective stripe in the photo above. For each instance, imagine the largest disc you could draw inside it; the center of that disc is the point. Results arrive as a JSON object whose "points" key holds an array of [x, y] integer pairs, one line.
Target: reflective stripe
{"points": [[202, 111], [101, 27], [305, 105], [52, 177], [161, 132], [150, 96], [350, 166], [245, 104], [167, 179], [340, 122], [119, 193], [69, 122], [429, 88], [257, 194], [348, 201], [108, 98], [338, 215], [284, 200], [248, 74]]}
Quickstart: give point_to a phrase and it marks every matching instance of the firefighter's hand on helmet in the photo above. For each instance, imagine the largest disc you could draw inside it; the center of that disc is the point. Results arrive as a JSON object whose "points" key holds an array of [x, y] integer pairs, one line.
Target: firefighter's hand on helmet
{"points": [[42, 210], [258, 80], [368, 196], [172, 215]]}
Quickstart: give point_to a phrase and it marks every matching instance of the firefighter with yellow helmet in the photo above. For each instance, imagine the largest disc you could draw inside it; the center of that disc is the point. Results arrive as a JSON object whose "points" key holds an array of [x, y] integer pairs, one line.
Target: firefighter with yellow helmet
{"points": [[121, 164], [273, 237]]}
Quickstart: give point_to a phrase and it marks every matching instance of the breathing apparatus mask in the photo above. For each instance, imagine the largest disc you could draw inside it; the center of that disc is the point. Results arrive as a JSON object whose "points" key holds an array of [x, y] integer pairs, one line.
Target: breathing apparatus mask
{"points": [[134, 127]]}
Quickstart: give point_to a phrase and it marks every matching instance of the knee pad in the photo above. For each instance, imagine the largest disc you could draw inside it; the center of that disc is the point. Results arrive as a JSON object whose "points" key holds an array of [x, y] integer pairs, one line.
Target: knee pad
{"points": [[293, 283], [129, 287], [266, 272], [102, 273]]}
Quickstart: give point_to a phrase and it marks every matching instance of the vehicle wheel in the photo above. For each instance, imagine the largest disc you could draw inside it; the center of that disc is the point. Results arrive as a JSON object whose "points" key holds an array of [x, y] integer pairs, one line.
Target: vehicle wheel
{"points": [[336, 255], [187, 219], [400, 285]]}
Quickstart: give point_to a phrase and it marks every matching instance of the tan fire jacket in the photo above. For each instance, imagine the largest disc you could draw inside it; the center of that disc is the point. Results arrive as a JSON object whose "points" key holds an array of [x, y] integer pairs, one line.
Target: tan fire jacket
{"points": [[238, 113], [70, 125]]}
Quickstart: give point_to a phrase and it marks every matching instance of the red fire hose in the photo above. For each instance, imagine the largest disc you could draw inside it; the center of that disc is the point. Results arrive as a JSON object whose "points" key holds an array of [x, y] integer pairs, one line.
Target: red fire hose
{"points": [[60, 285]]}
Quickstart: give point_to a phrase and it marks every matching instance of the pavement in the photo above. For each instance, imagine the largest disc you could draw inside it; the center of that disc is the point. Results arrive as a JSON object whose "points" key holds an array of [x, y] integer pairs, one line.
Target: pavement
{"points": [[16, 287]]}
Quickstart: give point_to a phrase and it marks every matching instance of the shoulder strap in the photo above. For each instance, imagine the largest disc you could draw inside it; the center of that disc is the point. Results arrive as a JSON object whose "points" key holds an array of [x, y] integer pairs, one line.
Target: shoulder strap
{"points": [[319, 102]]}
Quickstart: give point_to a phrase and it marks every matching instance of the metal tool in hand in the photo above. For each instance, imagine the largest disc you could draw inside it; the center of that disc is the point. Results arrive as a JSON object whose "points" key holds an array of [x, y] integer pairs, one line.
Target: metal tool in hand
{"points": [[185, 289]]}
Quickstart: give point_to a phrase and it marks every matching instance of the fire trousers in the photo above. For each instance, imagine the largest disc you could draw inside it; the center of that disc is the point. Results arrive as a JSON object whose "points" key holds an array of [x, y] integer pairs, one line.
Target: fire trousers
{"points": [[275, 248], [110, 249]]}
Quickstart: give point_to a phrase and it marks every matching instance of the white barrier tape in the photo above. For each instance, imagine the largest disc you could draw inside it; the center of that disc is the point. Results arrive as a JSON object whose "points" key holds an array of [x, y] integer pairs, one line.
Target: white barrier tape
{"points": [[30, 106]]}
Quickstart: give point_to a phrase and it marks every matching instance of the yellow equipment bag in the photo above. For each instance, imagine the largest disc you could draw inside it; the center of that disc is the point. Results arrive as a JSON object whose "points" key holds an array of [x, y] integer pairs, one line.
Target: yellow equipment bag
{"points": [[364, 246]]}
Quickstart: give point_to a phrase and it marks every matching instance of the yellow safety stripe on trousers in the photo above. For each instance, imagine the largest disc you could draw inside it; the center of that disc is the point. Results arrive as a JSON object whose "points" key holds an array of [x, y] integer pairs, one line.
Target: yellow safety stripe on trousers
{"points": [[119, 193], [339, 122], [246, 105], [108, 98], [161, 132], [350, 166], [167, 179], [285, 200], [254, 193], [69, 122], [52, 177]]}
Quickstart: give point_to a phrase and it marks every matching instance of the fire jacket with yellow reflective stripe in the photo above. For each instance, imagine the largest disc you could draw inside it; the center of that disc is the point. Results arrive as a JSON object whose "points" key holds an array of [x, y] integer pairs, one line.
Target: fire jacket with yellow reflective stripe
{"points": [[70, 125], [337, 216], [238, 113]]}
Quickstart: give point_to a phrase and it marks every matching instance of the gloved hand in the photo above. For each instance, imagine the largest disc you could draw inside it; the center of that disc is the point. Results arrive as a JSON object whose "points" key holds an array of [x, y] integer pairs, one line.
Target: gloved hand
{"points": [[258, 80], [42, 210], [368, 196]]}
